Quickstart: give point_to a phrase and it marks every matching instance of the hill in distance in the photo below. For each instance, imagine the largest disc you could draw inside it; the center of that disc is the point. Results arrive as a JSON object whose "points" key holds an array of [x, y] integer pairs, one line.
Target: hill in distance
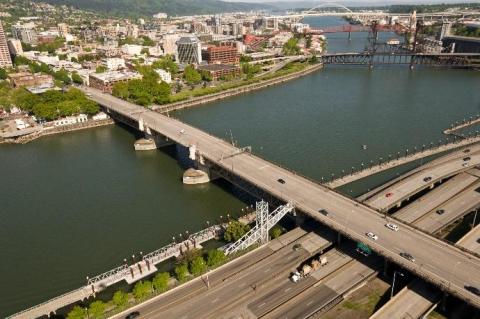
{"points": [[138, 8]]}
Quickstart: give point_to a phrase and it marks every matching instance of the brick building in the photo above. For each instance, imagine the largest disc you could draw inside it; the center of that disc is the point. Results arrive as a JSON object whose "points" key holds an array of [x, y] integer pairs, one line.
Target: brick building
{"points": [[218, 71], [224, 54], [105, 81], [29, 79]]}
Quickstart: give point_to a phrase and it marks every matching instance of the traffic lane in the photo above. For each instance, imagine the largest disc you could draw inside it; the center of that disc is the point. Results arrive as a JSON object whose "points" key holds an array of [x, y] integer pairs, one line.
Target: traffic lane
{"points": [[224, 297], [471, 241], [453, 209], [435, 198], [305, 306], [411, 302], [215, 277], [474, 148], [413, 184]]}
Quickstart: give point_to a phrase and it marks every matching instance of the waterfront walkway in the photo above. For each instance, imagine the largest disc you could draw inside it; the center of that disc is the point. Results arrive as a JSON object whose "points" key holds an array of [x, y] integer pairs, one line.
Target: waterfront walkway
{"points": [[409, 157], [128, 273], [312, 199]]}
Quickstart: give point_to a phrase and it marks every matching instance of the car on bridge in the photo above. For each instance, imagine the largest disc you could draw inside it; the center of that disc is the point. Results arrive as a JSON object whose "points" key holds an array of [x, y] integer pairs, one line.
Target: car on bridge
{"points": [[133, 315], [473, 290], [466, 159], [372, 236], [427, 179], [281, 181], [392, 226], [408, 257]]}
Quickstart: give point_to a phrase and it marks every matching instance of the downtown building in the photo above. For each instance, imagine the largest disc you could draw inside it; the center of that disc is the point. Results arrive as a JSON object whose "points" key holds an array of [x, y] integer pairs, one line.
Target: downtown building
{"points": [[5, 59], [25, 32], [189, 51], [223, 54]]}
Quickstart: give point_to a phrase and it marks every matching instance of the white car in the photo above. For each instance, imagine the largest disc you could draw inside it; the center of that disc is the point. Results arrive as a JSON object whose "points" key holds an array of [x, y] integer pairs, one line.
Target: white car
{"points": [[182, 131], [371, 236], [392, 226]]}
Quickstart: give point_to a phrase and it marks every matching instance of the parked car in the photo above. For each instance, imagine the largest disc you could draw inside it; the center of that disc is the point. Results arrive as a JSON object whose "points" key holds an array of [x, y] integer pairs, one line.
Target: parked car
{"points": [[132, 315], [388, 194], [408, 257], [392, 226], [467, 150], [466, 159], [372, 236]]}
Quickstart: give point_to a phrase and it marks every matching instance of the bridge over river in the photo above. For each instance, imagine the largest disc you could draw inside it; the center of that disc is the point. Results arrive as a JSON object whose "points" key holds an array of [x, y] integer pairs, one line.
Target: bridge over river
{"points": [[345, 215]]}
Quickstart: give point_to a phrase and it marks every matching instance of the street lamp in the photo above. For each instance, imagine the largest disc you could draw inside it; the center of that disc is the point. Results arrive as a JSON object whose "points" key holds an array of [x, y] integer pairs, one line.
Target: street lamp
{"points": [[393, 283]]}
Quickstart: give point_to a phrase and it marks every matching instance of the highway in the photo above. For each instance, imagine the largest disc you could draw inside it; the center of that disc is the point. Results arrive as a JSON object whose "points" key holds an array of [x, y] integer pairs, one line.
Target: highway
{"points": [[435, 198], [437, 161], [345, 215], [471, 241], [402, 190], [231, 286], [411, 302], [454, 208]]}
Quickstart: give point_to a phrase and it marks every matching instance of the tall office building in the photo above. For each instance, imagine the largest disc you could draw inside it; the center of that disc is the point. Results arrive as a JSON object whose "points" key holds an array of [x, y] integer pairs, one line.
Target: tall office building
{"points": [[189, 50], [5, 59]]}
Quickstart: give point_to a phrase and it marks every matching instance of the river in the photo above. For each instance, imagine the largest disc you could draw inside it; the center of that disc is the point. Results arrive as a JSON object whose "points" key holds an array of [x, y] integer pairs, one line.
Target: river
{"points": [[77, 204]]}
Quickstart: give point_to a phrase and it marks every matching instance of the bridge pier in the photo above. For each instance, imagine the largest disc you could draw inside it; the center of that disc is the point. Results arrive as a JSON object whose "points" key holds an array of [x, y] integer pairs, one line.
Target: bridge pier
{"points": [[202, 173]]}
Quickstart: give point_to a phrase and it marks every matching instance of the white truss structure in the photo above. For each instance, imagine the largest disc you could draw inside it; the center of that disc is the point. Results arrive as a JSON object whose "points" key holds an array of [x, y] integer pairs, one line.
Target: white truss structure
{"points": [[264, 222]]}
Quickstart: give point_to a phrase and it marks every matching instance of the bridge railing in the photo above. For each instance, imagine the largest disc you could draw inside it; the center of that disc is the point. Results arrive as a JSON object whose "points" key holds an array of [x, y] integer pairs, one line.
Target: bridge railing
{"points": [[45, 303], [109, 276]]}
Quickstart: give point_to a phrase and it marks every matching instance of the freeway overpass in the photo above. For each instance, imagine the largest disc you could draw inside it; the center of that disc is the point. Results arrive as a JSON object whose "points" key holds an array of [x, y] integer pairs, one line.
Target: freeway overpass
{"points": [[434, 258]]}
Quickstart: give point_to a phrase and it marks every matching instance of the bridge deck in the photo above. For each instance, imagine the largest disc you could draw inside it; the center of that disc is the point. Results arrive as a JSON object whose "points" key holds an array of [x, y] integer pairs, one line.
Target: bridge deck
{"points": [[398, 192], [344, 215]]}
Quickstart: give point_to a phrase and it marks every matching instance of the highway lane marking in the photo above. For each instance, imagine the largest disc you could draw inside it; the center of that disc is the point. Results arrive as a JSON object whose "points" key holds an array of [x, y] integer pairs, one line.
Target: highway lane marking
{"points": [[267, 270], [310, 302], [242, 285], [288, 289], [215, 300], [264, 166], [261, 305]]}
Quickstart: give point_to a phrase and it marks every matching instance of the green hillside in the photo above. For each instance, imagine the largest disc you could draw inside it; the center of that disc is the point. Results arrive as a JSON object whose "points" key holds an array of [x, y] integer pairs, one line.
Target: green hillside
{"points": [[149, 7]]}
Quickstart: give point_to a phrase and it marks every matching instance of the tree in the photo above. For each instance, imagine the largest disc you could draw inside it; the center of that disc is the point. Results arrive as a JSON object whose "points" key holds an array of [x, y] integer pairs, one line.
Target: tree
{"points": [[160, 281], [77, 313], [191, 75], [147, 41], [76, 78], [120, 299], [291, 47], [181, 272], [96, 309], [235, 230], [308, 42], [3, 74], [198, 266], [167, 63], [120, 90], [21, 60], [276, 231], [215, 257], [142, 289], [206, 76], [101, 69], [62, 75]]}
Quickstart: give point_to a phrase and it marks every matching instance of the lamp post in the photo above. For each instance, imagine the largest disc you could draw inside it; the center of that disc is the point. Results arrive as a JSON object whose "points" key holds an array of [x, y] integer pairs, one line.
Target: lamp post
{"points": [[393, 283]]}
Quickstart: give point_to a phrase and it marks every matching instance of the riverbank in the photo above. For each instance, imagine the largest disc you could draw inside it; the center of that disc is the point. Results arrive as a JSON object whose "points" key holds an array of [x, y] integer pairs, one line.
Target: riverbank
{"points": [[57, 130], [257, 85]]}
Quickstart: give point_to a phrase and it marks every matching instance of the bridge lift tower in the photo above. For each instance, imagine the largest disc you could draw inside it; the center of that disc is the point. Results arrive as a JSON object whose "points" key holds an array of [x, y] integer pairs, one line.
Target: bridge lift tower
{"points": [[264, 222]]}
